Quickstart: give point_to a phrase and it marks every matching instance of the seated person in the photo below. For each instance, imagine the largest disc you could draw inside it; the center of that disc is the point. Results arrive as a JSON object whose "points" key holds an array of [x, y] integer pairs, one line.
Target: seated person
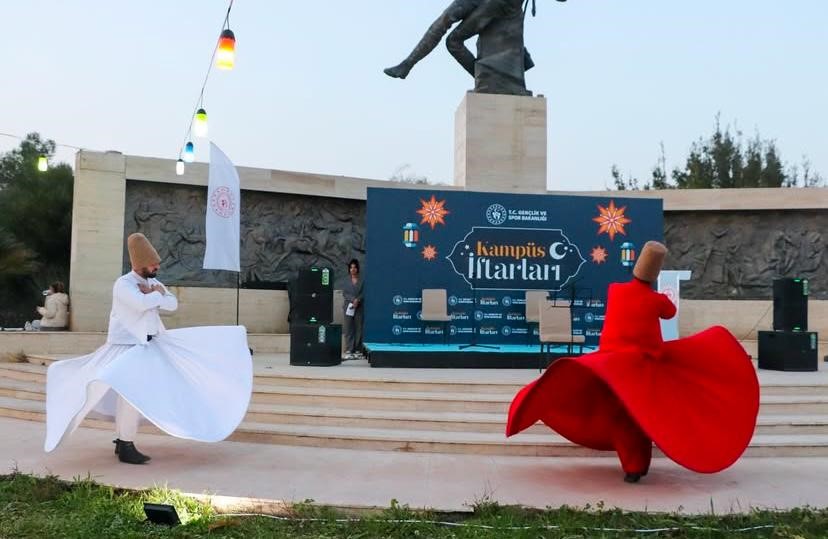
{"points": [[55, 311]]}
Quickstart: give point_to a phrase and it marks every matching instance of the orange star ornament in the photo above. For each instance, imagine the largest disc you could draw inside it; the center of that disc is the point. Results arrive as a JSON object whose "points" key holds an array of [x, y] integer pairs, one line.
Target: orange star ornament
{"points": [[612, 220], [433, 212], [599, 255]]}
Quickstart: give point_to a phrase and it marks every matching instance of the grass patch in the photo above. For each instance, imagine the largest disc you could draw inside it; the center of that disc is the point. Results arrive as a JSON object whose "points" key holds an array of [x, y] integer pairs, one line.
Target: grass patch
{"points": [[47, 507]]}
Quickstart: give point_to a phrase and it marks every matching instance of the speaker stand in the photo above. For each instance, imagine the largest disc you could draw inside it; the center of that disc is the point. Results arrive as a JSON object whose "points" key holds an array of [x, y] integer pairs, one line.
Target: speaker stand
{"points": [[474, 343]]}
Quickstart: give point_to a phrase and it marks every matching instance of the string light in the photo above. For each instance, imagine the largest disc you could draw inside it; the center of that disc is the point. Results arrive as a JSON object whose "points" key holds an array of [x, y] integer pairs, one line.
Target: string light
{"points": [[223, 56], [226, 57], [179, 167], [42, 159], [200, 125], [189, 152]]}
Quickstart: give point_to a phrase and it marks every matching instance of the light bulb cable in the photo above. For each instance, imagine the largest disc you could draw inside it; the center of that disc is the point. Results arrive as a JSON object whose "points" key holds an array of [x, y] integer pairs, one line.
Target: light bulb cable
{"points": [[200, 101]]}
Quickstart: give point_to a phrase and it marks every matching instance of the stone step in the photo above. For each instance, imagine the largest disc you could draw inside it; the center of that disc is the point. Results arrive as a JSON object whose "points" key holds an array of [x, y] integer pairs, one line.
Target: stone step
{"points": [[472, 422], [443, 422], [78, 343], [388, 383], [792, 424], [353, 399], [538, 443], [25, 372], [773, 383], [547, 444], [36, 372]]}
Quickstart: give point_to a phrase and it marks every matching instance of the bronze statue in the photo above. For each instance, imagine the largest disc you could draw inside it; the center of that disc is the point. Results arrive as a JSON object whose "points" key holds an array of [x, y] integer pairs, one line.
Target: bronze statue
{"points": [[501, 59]]}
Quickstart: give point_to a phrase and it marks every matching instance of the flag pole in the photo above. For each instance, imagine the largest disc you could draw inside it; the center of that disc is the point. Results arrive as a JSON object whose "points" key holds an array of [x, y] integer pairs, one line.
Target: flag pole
{"points": [[238, 285]]}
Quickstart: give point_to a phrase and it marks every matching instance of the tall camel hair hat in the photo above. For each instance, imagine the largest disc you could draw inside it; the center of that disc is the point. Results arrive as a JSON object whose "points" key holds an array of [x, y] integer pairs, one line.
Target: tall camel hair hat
{"points": [[650, 261], [141, 252]]}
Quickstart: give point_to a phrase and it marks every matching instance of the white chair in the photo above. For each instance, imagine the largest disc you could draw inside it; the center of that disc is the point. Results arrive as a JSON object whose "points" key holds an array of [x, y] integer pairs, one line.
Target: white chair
{"points": [[534, 299], [435, 308], [555, 327]]}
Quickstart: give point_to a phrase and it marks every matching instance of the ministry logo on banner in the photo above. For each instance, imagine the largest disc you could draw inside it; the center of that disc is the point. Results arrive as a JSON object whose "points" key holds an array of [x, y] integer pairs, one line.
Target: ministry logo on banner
{"points": [[516, 259]]}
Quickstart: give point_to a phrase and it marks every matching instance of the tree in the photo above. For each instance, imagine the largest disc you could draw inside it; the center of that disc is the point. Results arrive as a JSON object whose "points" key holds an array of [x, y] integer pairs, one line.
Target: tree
{"points": [[809, 178], [15, 258], [658, 177], [404, 174], [624, 184], [724, 161], [22, 162], [35, 221]]}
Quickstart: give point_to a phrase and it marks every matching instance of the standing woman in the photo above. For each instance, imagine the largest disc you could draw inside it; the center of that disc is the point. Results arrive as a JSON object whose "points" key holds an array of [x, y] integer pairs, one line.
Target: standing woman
{"points": [[354, 313]]}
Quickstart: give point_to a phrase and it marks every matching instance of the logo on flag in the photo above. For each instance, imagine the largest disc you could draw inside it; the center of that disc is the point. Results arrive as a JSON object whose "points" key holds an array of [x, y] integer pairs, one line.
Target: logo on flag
{"points": [[222, 202]]}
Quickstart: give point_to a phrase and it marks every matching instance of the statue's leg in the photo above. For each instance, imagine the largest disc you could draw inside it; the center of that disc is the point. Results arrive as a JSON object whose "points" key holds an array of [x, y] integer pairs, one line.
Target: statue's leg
{"points": [[470, 27], [457, 11]]}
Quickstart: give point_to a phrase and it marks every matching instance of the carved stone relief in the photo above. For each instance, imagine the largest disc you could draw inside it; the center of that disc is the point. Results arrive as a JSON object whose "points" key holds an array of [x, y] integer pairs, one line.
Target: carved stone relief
{"points": [[732, 254], [738, 254], [280, 233]]}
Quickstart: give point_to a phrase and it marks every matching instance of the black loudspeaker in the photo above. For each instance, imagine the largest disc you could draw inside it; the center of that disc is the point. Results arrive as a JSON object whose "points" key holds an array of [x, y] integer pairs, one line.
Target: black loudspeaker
{"points": [[311, 297], [790, 304], [316, 344], [788, 350], [314, 281]]}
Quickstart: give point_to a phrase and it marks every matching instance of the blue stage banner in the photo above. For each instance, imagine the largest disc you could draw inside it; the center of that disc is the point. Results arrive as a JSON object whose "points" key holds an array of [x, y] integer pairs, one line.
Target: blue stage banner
{"points": [[487, 250]]}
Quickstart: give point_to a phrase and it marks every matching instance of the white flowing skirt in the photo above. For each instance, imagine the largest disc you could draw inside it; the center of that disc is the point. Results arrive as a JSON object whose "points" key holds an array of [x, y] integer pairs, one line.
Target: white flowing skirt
{"points": [[193, 383]]}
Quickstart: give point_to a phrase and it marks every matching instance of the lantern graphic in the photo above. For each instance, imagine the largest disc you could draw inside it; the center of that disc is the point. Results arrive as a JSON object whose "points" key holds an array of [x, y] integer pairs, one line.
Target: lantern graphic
{"points": [[411, 235], [627, 254]]}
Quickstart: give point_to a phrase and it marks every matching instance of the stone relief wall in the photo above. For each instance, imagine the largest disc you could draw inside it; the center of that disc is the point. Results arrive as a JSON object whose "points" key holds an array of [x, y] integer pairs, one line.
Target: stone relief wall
{"points": [[738, 254], [732, 254], [280, 233]]}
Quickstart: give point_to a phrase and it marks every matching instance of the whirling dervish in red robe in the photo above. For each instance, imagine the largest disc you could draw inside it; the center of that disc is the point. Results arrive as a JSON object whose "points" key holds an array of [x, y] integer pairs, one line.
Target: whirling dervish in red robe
{"points": [[696, 398]]}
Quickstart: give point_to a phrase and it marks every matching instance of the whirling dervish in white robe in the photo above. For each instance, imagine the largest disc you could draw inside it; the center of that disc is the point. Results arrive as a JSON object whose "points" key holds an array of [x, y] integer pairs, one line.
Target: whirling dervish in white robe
{"points": [[193, 383]]}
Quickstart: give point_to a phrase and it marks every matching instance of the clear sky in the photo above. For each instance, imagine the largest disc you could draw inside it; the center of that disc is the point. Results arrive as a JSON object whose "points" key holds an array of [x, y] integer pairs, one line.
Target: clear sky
{"points": [[308, 92]]}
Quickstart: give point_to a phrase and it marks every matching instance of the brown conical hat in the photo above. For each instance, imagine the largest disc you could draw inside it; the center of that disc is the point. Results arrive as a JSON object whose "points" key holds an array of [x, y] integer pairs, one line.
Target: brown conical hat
{"points": [[141, 252], [650, 261]]}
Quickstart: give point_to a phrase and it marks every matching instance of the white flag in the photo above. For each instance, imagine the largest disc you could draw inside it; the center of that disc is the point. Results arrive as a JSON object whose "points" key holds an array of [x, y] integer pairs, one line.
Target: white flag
{"points": [[223, 209]]}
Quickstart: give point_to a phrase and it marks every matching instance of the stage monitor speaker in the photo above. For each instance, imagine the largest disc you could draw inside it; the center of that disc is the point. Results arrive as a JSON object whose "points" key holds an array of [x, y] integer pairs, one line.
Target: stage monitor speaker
{"points": [[315, 281], [311, 297], [316, 345], [311, 308], [790, 304], [788, 350]]}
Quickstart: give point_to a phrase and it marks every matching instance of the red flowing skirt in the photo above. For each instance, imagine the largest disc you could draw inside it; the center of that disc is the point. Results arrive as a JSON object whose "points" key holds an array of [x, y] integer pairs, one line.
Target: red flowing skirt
{"points": [[698, 402]]}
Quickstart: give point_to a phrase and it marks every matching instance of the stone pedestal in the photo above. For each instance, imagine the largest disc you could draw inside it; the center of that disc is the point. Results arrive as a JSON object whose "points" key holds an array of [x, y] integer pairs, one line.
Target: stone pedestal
{"points": [[500, 143]]}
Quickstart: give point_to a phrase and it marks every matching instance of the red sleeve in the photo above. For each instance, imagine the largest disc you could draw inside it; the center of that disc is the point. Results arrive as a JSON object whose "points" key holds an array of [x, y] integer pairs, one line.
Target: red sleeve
{"points": [[667, 309]]}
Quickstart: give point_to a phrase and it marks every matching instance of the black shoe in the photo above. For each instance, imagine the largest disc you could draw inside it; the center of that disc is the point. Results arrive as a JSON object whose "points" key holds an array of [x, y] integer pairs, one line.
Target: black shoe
{"points": [[633, 477], [129, 454]]}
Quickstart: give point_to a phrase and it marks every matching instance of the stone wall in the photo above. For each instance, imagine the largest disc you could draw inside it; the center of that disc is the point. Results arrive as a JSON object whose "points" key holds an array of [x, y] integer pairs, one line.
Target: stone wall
{"points": [[735, 241], [738, 254], [732, 254], [280, 233]]}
